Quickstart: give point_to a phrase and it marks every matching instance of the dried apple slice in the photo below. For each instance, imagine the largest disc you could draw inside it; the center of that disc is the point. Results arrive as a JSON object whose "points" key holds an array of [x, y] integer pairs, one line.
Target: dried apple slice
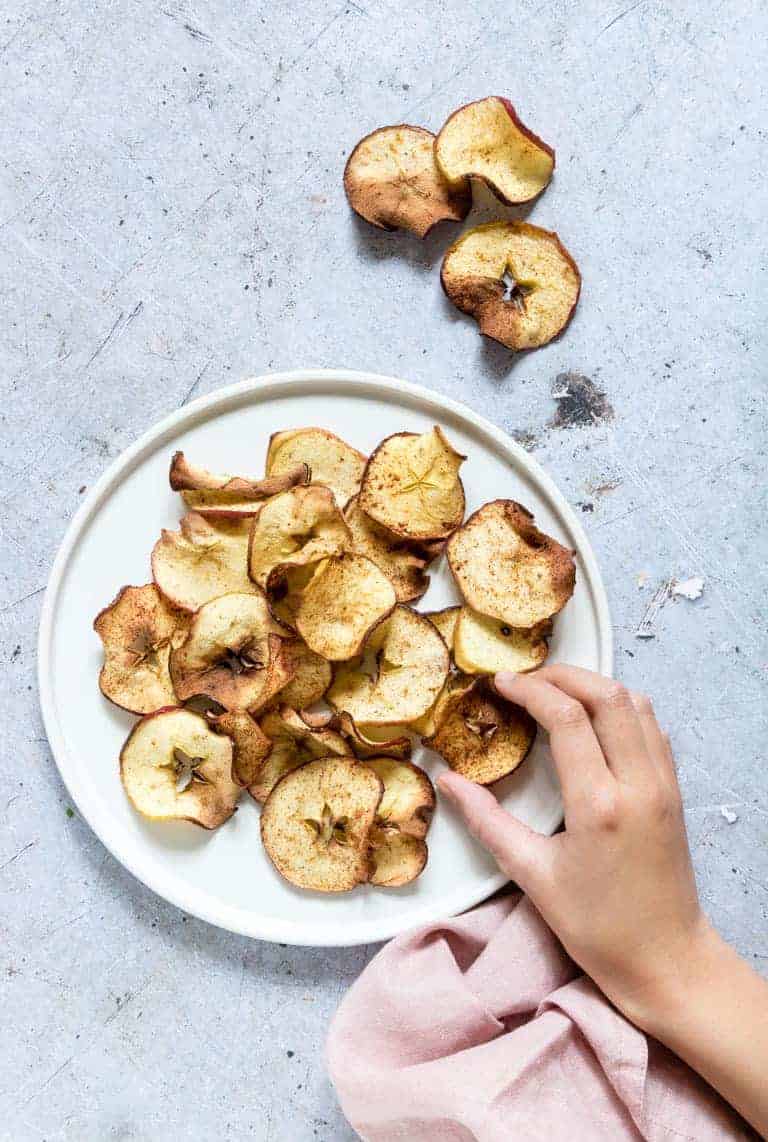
{"points": [[518, 282], [392, 181], [402, 820], [508, 569], [481, 736], [411, 485], [317, 821], [311, 680], [333, 462], [138, 629], [285, 586], [484, 645], [234, 652], [487, 140], [445, 621], [345, 598], [228, 497], [401, 673], [401, 561], [202, 560], [250, 746], [365, 745], [456, 682], [294, 529], [173, 766], [293, 742]]}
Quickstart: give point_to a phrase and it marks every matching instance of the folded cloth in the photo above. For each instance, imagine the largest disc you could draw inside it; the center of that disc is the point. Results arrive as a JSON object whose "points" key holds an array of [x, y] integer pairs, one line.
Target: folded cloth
{"points": [[483, 1028]]}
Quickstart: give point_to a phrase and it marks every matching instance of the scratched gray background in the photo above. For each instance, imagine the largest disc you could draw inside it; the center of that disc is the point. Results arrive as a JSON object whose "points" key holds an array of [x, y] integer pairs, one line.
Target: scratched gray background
{"points": [[172, 219]]}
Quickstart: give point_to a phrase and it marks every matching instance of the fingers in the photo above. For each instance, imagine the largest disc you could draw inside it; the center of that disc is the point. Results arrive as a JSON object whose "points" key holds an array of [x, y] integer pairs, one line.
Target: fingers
{"points": [[575, 749], [616, 719], [519, 851]]}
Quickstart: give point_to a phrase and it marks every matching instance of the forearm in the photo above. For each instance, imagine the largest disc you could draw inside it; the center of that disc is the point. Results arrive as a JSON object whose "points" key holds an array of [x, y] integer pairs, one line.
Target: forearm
{"points": [[713, 1013]]}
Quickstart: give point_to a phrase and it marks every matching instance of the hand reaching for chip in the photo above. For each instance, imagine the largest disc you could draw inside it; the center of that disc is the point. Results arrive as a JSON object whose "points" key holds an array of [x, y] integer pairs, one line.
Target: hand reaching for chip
{"points": [[617, 885]]}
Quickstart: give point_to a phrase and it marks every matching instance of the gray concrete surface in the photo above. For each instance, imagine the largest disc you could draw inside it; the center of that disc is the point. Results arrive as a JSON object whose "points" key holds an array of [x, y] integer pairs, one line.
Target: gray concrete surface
{"points": [[172, 219]]}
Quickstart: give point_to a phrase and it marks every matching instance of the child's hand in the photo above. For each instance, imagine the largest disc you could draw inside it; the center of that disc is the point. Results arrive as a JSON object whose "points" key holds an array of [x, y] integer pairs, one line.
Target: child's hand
{"points": [[617, 886]]}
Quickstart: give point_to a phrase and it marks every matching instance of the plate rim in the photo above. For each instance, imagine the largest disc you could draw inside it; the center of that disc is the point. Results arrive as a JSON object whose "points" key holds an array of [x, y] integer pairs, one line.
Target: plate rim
{"points": [[282, 931]]}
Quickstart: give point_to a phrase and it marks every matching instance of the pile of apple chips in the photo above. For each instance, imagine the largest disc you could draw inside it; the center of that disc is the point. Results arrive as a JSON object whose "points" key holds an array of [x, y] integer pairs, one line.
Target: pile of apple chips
{"points": [[277, 650], [515, 279]]}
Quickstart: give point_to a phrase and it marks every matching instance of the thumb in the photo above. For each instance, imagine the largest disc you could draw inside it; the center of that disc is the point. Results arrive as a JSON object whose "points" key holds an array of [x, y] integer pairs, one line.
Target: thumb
{"points": [[519, 851]]}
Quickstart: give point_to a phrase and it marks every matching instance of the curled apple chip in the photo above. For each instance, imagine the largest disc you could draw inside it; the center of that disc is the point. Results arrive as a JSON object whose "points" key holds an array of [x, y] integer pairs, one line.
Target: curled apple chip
{"points": [[293, 742], [294, 529], [456, 682], [317, 821], [402, 820], [484, 645], [506, 568], [411, 485], [518, 282], [234, 652], [403, 562], [392, 181], [228, 497], [332, 462], [398, 678], [345, 598], [138, 629], [445, 621], [372, 744], [481, 736], [173, 766], [311, 679], [202, 560], [487, 140], [285, 586], [250, 746]]}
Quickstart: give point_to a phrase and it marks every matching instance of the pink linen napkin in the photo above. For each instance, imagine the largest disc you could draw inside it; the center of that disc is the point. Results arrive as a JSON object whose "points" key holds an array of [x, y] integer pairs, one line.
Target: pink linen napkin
{"points": [[481, 1028]]}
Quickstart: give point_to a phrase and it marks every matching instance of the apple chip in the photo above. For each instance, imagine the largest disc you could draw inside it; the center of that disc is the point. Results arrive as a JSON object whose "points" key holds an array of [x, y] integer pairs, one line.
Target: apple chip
{"points": [[333, 462], [250, 746], [392, 181], [345, 598], [234, 652], [311, 680], [401, 561], [487, 140], [293, 742], [402, 821], [455, 683], [484, 645], [506, 568], [518, 282], [173, 766], [398, 678], [481, 736], [317, 821], [285, 586], [138, 629], [377, 742], [294, 529], [445, 621], [411, 485], [202, 560], [228, 497]]}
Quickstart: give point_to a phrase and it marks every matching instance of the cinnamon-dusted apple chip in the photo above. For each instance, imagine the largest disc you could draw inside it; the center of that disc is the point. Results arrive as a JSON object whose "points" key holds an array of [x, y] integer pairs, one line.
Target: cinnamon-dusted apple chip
{"points": [[508, 569], [311, 679], [228, 497], [234, 652], [333, 462], [250, 746], [487, 140], [138, 629], [294, 529], [202, 560], [518, 282], [445, 621], [402, 820], [482, 736], [411, 485], [402, 561], [293, 742], [173, 766], [456, 682], [484, 645], [316, 824], [345, 598], [365, 745], [401, 673], [392, 181]]}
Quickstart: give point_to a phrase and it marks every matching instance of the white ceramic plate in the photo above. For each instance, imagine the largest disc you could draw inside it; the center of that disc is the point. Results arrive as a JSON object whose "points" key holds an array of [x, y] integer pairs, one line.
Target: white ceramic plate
{"points": [[224, 877]]}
